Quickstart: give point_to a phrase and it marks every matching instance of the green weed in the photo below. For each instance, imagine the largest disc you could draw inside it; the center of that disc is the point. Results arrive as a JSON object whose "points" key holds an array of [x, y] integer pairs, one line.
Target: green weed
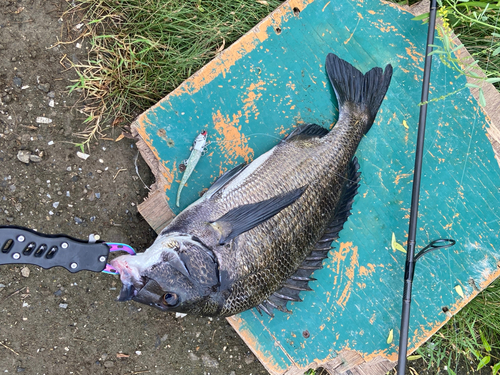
{"points": [[140, 50]]}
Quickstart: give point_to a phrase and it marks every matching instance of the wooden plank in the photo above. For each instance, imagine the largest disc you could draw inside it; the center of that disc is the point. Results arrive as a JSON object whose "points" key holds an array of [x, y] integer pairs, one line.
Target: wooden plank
{"points": [[254, 92]]}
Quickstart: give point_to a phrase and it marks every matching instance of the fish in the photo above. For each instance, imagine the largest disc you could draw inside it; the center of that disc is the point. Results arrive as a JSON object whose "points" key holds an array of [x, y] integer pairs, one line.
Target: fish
{"points": [[259, 232], [198, 147]]}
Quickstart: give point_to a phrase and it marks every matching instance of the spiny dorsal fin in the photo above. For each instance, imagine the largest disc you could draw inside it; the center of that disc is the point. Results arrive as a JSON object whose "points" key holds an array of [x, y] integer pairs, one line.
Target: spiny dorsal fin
{"points": [[243, 218], [300, 279], [306, 131]]}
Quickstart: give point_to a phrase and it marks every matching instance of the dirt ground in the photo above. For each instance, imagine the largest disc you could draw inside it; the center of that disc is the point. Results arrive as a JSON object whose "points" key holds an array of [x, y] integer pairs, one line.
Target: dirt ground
{"points": [[52, 321]]}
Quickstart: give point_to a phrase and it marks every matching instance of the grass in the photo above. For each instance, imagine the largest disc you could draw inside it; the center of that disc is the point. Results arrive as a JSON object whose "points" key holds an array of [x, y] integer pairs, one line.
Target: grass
{"points": [[140, 50], [470, 336]]}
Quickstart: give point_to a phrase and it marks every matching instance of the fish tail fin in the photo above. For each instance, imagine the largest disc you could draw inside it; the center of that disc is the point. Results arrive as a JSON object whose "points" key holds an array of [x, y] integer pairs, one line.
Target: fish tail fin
{"points": [[364, 91]]}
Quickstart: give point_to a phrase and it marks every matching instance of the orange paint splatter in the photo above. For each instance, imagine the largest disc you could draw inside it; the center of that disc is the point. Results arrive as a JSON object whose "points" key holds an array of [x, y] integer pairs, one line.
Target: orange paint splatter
{"points": [[233, 143]]}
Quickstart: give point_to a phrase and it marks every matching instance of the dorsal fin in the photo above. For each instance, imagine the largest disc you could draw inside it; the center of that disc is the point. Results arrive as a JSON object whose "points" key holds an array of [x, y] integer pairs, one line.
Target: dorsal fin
{"points": [[300, 279], [306, 131]]}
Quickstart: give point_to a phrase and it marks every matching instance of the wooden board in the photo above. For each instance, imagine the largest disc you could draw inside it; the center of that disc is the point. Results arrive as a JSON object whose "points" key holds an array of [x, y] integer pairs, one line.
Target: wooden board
{"points": [[253, 93]]}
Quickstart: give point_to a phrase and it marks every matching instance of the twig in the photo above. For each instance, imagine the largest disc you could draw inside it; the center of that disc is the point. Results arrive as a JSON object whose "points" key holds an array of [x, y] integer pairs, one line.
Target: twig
{"points": [[13, 293], [119, 170], [6, 347]]}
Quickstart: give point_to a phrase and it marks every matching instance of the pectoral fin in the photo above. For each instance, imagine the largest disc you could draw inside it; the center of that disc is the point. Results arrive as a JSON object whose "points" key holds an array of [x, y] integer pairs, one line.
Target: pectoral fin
{"points": [[241, 219]]}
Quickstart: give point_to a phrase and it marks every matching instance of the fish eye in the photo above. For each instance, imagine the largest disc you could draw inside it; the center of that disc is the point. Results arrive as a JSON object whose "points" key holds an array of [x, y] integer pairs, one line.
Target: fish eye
{"points": [[170, 299]]}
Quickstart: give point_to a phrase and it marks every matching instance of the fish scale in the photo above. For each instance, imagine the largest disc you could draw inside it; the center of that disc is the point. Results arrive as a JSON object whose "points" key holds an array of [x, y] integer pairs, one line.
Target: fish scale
{"points": [[256, 236]]}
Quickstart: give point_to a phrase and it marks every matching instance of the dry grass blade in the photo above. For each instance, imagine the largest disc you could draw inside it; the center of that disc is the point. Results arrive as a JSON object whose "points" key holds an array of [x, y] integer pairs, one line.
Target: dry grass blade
{"points": [[142, 50]]}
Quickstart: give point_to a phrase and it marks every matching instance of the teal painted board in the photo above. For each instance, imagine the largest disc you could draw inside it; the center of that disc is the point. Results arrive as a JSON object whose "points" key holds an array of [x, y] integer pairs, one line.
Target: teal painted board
{"points": [[255, 92]]}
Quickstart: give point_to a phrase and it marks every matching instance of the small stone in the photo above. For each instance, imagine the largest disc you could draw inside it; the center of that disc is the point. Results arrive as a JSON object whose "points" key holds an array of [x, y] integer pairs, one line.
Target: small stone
{"points": [[7, 99], [50, 143], [78, 220], [24, 156], [108, 364], [82, 155], [25, 271], [20, 369], [12, 188], [45, 87], [98, 195], [179, 315], [25, 138], [58, 293], [51, 103], [51, 94], [43, 120], [13, 59], [2, 47], [55, 204], [18, 82], [193, 357], [209, 361], [10, 219], [35, 158], [63, 305], [249, 358], [138, 352]]}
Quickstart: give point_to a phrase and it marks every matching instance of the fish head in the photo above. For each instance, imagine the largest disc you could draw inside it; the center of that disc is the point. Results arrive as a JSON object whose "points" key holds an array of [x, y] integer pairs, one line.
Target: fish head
{"points": [[177, 273], [200, 141]]}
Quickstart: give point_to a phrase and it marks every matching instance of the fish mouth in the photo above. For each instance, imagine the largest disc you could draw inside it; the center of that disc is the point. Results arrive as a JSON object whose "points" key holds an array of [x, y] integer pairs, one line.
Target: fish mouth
{"points": [[132, 281]]}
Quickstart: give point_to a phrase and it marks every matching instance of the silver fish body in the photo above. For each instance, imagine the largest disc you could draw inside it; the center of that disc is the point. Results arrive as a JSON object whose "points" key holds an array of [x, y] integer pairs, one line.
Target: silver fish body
{"points": [[256, 236]]}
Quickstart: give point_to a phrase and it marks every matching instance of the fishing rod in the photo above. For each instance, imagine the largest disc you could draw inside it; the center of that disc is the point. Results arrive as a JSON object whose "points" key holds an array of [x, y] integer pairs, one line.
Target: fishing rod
{"points": [[411, 258]]}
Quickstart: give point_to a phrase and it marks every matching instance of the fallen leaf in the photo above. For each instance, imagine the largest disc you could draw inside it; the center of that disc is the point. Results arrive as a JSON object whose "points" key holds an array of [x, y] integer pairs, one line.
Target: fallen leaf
{"points": [[405, 124], [397, 246], [413, 357], [120, 137], [391, 336], [459, 290]]}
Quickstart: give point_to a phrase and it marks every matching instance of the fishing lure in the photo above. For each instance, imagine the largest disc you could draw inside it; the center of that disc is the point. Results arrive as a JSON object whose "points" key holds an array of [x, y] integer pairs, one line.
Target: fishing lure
{"points": [[198, 148]]}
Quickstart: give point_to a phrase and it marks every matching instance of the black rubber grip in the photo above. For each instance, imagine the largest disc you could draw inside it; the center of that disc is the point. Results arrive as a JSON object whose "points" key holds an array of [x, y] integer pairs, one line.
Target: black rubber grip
{"points": [[20, 245]]}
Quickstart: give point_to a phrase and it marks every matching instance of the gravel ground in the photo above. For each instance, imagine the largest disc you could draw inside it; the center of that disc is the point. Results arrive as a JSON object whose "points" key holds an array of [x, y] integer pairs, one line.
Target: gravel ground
{"points": [[52, 321]]}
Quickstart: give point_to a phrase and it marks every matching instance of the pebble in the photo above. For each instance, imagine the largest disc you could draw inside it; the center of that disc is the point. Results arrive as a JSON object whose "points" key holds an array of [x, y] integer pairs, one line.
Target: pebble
{"points": [[78, 220], [55, 204], [12, 188], [7, 99], [51, 103], [209, 361], [108, 364], [249, 358], [193, 357], [82, 155], [45, 87], [58, 293], [25, 271], [35, 158], [18, 82], [179, 315], [63, 305], [51, 94], [24, 156], [43, 120]]}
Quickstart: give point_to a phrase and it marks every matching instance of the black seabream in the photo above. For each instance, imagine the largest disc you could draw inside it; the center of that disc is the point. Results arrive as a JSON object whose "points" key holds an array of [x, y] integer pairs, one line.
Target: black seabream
{"points": [[260, 231]]}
